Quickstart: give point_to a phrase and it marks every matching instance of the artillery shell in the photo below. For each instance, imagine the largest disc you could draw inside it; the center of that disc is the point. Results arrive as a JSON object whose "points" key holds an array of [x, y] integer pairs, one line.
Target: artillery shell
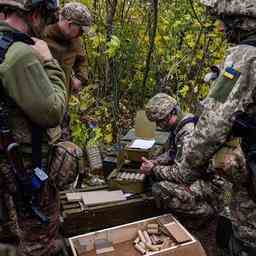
{"points": [[156, 239], [147, 238], [143, 245], [123, 175], [153, 231], [137, 240], [137, 176], [133, 176], [140, 249], [129, 176], [142, 238], [126, 176], [152, 226], [142, 176], [153, 247], [165, 244]]}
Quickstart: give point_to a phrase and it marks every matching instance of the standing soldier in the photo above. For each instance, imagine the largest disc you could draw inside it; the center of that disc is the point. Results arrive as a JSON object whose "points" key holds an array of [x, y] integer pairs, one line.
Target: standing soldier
{"points": [[194, 199], [33, 99], [64, 41], [231, 111]]}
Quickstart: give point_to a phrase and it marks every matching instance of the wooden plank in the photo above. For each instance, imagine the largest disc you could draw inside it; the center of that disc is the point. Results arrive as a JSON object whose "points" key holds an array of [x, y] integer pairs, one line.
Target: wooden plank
{"points": [[177, 232], [102, 197], [74, 196]]}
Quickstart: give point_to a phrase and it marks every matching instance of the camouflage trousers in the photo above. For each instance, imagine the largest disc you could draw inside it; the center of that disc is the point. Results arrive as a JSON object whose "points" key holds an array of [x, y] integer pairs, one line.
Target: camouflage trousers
{"points": [[9, 228], [201, 198]]}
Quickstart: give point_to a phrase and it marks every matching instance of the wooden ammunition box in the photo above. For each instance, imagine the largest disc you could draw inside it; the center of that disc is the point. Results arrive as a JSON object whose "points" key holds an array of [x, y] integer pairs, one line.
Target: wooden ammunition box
{"points": [[122, 238], [77, 220], [129, 186], [135, 154]]}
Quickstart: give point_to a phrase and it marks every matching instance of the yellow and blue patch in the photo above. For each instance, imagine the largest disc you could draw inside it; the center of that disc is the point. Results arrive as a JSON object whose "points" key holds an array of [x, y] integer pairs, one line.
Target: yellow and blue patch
{"points": [[231, 73]]}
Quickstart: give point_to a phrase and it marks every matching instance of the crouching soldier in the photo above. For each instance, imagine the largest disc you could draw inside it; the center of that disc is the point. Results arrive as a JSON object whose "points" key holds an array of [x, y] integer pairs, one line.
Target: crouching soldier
{"points": [[202, 198]]}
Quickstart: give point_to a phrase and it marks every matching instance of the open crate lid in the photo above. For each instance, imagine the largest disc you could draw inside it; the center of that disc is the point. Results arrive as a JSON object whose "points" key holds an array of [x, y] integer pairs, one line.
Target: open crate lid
{"points": [[143, 127]]}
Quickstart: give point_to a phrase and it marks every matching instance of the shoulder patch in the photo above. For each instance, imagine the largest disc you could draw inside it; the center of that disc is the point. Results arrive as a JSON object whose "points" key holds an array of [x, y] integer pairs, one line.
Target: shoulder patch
{"points": [[225, 84], [231, 73]]}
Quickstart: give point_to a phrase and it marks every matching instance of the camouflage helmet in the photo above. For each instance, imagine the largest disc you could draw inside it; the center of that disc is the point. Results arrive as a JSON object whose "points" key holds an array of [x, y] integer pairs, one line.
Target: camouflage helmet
{"points": [[79, 14], [160, 106], [27, 5], [245, 10]]}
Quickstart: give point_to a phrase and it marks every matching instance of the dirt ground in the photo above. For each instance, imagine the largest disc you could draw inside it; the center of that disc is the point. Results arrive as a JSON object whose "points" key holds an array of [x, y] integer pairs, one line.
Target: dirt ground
{"points": [[207, 238], [205, 234]]}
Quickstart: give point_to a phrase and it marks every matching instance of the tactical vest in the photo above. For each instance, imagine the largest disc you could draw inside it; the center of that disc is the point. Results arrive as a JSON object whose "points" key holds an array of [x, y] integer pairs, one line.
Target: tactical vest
{"points": [[27, 183], [6, 40]]}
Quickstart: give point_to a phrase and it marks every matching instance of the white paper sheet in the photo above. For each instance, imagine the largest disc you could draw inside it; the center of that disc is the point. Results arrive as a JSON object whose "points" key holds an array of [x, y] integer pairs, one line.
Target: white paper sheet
{"points": [[142, 144]]}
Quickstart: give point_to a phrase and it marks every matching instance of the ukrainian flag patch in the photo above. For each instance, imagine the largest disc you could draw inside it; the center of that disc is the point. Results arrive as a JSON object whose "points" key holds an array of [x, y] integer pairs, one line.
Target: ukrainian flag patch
{"points": [[224, 84], [231, 73]]}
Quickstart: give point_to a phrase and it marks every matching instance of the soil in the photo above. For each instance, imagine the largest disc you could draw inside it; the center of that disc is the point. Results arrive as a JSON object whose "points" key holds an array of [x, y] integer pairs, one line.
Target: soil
{"points": [[205, 233]]}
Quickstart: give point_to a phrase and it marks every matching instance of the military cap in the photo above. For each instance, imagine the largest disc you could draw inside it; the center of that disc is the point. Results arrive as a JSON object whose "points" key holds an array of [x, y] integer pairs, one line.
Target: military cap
{"points": [[79, 14], [27, 5], [160, 106]]}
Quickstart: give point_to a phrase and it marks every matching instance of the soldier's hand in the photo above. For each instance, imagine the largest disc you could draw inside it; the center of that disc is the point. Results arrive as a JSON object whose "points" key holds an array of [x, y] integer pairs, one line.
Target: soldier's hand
{"points": [[42, 50], [147, 165]]}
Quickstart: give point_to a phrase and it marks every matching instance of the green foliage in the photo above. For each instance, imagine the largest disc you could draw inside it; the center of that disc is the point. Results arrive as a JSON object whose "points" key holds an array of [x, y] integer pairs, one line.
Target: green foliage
{"points": [[187, 43]]}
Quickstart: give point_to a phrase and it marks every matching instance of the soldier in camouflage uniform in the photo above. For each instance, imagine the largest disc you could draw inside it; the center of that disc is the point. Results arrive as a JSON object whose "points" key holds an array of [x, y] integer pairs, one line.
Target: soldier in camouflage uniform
{"points": [[64, 41], [164, 110], [33, 85], [202, 198], [231, 106]]}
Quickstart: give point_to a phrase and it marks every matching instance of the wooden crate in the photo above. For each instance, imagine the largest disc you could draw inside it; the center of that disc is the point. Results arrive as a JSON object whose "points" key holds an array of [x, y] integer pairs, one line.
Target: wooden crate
{"points": [[76, 221], [122, 238]]}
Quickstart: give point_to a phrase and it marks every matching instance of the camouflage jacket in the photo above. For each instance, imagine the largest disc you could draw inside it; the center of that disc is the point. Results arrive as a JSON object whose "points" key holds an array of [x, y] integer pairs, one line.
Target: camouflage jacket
{"points": [[178, 139], [231, 93], [69, 53]]}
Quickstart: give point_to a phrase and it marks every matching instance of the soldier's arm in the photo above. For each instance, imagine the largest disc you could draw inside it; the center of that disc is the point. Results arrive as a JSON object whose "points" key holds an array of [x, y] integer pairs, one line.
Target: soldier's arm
{"points": [[80, 66], [215, 125], [182, 139], [165, 158], [37, 88], [171, 173]]}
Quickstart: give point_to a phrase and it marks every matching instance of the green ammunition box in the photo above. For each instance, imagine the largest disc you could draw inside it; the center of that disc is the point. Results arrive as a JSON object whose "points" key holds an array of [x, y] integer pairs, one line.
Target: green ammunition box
{"points": [[135, 154], [128, 186]]}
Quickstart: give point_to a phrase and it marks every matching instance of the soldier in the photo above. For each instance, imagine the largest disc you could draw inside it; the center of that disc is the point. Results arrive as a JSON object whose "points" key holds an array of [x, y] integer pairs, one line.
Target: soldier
{"points": [[33, 99], [65, 43], [230, 112], [195, 199], [164, 110]]}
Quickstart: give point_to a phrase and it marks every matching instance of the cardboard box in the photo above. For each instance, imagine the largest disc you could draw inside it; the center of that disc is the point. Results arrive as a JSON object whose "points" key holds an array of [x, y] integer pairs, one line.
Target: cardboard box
{"points": [[122, 237]]}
